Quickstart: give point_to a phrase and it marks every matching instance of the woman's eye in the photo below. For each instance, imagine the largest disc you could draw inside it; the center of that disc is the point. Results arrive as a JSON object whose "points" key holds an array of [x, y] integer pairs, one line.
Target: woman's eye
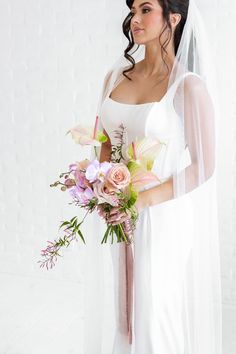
{"points": [[143, 10], [146, 10]]}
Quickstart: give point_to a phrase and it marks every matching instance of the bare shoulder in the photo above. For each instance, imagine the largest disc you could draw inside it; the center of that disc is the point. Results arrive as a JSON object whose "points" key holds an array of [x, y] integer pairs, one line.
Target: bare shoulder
{"points": [[193, 82], [196, 91], [127, 88]]}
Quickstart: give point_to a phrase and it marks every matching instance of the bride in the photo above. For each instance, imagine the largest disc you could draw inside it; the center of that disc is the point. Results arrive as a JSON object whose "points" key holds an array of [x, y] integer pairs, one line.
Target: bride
{"points": [[162, 293]]}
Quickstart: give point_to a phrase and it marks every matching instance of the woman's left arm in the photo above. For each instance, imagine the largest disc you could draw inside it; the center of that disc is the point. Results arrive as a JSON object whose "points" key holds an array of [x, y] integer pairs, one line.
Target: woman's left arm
{"points": [[155, 195], [199, 120]]}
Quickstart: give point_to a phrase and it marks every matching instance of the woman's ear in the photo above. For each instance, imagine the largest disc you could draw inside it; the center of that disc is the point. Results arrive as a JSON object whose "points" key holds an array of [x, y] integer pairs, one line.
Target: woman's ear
{"points": [[174, 20]]}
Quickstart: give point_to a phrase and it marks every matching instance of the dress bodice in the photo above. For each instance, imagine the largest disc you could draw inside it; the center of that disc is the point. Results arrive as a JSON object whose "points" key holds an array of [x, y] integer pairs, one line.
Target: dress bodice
{"points": [[151, 120]]}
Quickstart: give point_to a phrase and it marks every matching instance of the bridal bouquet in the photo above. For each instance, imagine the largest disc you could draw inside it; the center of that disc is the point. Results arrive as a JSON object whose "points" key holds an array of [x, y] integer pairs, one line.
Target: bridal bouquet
{"points": [[100, 186]]}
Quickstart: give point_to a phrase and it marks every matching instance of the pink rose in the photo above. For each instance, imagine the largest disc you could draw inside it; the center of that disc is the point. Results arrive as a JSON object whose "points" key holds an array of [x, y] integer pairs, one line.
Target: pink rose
{"points": [[118, 177], [104, 195]]}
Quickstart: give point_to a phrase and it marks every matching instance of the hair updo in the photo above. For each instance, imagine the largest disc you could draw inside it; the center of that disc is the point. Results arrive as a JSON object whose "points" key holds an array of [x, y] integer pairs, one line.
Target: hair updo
{"points": [[168, 6]]}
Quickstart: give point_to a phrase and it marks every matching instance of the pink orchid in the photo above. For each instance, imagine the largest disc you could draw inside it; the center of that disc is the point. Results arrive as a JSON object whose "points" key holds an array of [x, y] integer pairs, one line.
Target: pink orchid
{"points": [[97, 170]]}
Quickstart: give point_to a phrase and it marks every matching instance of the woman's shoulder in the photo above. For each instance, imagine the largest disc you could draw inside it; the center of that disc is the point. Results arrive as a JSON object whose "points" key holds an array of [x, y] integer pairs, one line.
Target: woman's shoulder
{"points": [[193, 80], [195, 88]]}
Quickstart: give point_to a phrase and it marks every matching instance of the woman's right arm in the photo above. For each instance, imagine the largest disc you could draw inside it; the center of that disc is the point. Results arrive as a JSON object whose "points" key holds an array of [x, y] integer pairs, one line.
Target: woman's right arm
{"points": [[105, 154]]}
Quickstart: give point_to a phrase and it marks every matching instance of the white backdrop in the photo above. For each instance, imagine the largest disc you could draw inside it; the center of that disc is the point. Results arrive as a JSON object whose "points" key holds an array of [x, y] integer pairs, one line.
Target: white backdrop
{"points": [[51, 68]]}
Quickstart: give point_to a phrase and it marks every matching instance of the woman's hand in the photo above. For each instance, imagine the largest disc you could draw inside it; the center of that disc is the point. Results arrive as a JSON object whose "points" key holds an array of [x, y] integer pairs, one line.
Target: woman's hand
{"points": [[115, 216]]}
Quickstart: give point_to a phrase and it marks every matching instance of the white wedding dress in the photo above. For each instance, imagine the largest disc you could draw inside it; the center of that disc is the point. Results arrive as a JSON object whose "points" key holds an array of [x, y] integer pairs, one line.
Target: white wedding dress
{"points": [[162, 247], [160, 251]]}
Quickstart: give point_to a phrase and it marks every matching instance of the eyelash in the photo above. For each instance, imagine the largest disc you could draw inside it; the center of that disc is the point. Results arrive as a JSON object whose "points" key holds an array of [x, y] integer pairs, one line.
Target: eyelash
{"points": [[132, 13]]}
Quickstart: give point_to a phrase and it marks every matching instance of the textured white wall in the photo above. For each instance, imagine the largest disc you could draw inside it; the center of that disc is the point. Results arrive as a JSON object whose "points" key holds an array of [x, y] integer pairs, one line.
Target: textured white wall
{"points": [[54, 55], [225, 59]]}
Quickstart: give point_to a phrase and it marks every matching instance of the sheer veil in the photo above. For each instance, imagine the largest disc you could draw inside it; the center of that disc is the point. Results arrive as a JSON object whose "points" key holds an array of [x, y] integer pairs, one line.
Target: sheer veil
{"points": [[194, 86]]}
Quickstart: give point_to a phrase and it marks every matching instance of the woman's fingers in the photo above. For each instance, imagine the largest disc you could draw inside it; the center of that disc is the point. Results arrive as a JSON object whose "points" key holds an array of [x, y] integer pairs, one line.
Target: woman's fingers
{"points": [[115, 216], [118, 220], [114, 210]]}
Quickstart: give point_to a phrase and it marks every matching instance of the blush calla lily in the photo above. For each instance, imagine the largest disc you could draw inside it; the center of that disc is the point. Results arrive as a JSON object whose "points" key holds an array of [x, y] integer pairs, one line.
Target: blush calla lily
{"points": [[87, 135]]}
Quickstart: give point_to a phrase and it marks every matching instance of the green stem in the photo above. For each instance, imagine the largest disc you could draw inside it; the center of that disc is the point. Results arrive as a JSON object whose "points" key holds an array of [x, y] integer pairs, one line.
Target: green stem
{"points": [[122, 232], [95, 151]]}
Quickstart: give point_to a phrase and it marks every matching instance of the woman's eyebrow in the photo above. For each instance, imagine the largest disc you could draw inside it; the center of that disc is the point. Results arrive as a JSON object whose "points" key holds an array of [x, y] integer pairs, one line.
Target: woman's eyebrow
{"points": [[143, 3]]}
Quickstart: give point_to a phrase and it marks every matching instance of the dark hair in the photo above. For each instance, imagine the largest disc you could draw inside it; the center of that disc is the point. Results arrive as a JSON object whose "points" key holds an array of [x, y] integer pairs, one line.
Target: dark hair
{"points": [[168, 6]]}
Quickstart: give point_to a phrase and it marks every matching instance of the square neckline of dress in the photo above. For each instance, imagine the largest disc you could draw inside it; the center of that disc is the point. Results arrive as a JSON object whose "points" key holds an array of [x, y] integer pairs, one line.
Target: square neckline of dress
{"points": [[147, 103], [142, 104], [137, 104]]}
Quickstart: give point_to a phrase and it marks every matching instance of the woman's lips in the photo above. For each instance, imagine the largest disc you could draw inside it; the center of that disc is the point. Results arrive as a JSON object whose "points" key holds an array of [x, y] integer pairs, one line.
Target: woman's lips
{"points": [[138, 31]]}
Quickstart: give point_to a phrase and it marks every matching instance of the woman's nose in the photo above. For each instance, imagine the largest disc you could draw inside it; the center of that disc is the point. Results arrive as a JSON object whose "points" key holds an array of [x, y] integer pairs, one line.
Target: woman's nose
{"points": [[136, 19]]}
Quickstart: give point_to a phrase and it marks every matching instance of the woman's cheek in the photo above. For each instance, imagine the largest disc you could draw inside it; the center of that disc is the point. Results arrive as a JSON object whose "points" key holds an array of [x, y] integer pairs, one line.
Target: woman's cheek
{"points": [[154, 21]]}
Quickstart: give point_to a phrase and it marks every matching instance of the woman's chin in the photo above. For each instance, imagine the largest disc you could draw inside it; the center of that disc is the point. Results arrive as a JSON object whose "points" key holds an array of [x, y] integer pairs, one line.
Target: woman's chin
{"points": [[139, 41]]}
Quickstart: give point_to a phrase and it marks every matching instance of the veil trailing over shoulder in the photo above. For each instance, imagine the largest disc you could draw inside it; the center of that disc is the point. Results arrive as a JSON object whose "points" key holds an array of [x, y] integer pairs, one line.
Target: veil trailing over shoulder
{"points": [[195, 177]]}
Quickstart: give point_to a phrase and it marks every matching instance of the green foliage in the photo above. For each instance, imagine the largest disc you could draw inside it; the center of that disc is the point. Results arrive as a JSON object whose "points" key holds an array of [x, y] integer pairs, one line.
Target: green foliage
{"points": [[102, 138], [74, 226]]}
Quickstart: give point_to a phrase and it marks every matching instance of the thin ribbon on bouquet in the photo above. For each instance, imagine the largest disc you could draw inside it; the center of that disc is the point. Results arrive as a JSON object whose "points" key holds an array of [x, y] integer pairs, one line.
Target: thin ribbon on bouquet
{"points": [[126, 267]]}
